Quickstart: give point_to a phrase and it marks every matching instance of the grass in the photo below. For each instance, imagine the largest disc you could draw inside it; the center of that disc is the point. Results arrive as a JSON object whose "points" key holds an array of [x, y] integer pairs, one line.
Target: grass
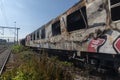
{"points": [[18, 48], [31, 66]]}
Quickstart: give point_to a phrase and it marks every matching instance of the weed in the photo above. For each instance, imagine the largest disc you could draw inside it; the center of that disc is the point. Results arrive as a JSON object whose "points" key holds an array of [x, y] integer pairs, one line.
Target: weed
{"points": [[31, 66]]}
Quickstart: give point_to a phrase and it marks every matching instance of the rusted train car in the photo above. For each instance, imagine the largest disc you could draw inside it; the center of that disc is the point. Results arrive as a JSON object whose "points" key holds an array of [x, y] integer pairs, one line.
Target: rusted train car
{"points": [[90, 28]]}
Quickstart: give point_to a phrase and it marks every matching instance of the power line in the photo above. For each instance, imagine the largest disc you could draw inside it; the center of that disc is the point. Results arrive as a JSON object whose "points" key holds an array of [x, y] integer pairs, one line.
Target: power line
{"points": [[9, 27], [7, 37], [15, 28]]}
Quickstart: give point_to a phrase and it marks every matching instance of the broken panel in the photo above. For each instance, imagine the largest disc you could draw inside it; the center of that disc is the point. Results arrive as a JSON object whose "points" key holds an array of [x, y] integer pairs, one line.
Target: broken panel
{"points": [[56, 28], [77, 20]]}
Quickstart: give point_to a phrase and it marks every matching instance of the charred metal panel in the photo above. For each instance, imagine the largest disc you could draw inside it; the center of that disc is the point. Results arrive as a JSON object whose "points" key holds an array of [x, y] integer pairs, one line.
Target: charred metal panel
{"points": [[36, 35], [89, 1], [48, 31], [96, 13], [63, 24]]}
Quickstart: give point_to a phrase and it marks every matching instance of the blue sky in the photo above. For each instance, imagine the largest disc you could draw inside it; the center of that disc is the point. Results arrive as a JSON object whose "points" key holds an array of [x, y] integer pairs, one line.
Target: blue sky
{"points": [[30, 14]]}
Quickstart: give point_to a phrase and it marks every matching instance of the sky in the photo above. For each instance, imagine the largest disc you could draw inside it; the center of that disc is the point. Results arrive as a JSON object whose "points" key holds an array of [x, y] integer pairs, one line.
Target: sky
{"points": [[29, 15]]}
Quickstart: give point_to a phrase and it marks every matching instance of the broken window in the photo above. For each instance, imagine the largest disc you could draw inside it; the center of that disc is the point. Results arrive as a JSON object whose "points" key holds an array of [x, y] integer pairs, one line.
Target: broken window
{"points": [[115, 10], [56, 28], [77, 20], [31, 37], [115, 13], [43, 33], [38, 34], [34, 36]]}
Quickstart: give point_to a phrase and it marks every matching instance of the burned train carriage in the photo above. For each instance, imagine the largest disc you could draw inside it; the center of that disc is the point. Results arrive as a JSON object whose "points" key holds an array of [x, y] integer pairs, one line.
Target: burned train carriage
{"points": [[91, 28]]}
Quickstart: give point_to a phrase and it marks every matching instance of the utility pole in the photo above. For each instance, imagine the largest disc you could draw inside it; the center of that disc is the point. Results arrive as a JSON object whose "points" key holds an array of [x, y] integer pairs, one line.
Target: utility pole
{"points": [[15, 28], [17, 34]]}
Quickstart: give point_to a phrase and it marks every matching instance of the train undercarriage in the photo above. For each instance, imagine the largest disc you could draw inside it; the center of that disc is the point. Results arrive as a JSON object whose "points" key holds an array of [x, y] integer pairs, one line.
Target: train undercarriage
{"points": [[100, 62]]}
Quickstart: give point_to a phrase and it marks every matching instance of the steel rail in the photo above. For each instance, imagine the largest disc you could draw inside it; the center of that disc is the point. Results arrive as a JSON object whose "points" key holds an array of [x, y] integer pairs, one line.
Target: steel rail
{"points": [[2, 68], [3, 50]]}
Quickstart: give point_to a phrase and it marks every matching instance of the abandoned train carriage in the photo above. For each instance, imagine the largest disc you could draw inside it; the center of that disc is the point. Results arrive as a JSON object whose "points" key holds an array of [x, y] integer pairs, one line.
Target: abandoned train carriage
{"points": [[90, 27]]}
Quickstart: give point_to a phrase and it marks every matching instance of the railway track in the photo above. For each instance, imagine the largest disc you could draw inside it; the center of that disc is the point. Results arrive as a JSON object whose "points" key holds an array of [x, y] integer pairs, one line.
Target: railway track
{"points": [[4, 56], [2, 50]]}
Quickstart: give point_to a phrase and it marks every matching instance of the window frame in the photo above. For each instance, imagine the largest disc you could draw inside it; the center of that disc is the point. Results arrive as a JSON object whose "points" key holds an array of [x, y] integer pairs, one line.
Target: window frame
{"points": [[83, 16], [58, 21], [34, 36], [43, 33], [37, 33], [113, 6], [31, 37]]}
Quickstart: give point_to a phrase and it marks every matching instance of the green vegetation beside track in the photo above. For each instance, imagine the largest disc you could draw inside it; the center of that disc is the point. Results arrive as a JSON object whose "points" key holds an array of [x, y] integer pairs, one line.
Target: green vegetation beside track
{"points": [[29, 65]]}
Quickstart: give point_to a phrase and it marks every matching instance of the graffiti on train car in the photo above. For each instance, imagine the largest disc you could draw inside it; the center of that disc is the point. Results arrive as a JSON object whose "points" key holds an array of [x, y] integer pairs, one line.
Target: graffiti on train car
{"points": [[95, 44], [107, 38], [117, 45]]}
